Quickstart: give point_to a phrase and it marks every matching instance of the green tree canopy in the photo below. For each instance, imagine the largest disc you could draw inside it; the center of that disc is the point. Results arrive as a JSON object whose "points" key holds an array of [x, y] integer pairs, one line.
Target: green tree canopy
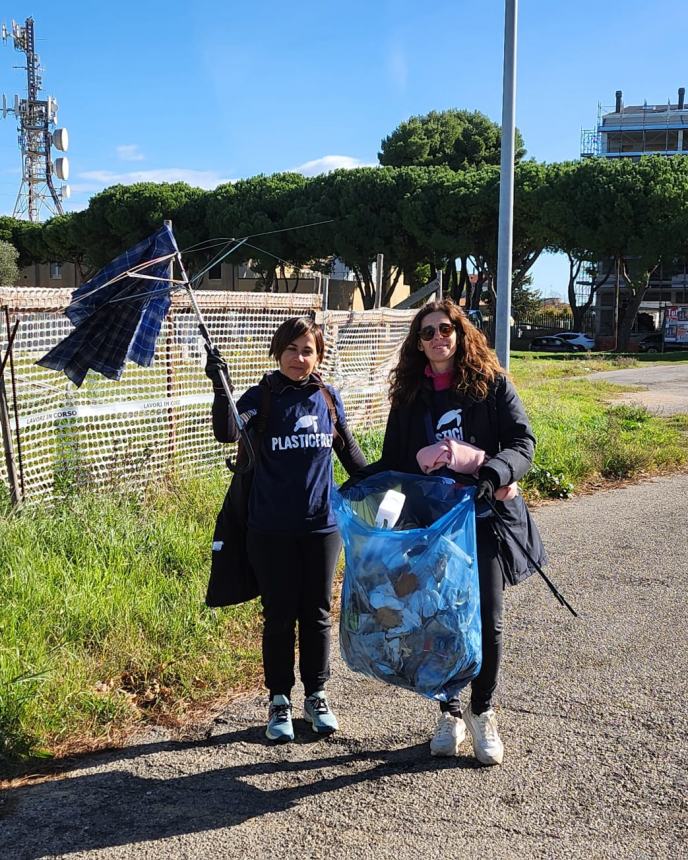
{"points": [[632, 213], [122, 215], [9, 271], [365, 206], [458, 139], [267, 205]]}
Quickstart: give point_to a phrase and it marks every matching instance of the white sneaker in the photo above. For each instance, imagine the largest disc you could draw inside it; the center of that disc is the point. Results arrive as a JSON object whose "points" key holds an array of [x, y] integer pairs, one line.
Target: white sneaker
{"points": [[487, 745], [449, 733]]}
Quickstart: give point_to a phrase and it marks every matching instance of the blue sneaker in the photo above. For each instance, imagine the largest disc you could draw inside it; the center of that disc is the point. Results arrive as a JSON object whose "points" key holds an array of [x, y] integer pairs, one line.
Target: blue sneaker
{"points": [[280, 728], [318, 713]]}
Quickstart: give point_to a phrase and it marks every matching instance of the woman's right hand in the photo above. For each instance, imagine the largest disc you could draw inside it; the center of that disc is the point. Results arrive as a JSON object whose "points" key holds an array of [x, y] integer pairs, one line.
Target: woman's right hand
{"points": [[215, 366]]}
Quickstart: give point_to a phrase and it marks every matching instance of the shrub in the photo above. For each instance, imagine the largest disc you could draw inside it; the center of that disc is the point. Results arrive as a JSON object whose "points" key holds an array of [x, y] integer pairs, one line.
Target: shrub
{"points": [[546, 484]]}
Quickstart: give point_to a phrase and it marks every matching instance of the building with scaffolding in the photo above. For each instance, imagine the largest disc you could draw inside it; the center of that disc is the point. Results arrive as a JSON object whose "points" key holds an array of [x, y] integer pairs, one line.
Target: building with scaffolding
{"points": [[635, 130], [632, 131]]}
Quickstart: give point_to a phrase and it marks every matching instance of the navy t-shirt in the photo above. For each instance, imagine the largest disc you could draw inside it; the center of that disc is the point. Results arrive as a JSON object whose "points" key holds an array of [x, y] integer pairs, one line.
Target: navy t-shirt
{"points": [[447, 418], [294, 474]]}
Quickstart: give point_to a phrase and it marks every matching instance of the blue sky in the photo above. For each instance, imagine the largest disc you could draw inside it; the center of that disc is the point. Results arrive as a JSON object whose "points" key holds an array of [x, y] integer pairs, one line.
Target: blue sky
{"points": [[211, 91]]}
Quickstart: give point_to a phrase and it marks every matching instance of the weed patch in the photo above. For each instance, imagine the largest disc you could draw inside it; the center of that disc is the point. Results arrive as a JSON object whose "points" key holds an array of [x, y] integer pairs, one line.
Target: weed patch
{"points": [[102, 613]]}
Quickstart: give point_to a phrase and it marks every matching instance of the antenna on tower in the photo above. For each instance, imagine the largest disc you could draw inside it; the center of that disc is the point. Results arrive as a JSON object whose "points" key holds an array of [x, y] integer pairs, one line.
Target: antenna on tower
{"points": [[37, 120]]}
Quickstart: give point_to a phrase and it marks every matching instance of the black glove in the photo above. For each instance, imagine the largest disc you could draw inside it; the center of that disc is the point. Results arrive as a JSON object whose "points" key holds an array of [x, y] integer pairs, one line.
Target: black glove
{"points": [[214, 366], [488, 483]]}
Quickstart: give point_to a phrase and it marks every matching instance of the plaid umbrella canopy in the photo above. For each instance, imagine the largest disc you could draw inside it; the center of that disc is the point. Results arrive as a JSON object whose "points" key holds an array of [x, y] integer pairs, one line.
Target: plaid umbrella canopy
{"points": [[118, 316]]}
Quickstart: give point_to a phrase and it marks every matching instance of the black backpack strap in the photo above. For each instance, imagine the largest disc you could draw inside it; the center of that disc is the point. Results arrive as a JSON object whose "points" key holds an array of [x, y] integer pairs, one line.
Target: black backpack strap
{"points": [[337, 441], [264, 408], [259, 426]]}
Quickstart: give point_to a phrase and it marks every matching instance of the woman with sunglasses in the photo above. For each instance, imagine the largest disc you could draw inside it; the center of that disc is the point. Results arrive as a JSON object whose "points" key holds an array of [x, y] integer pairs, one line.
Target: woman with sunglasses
{"points": [[449, 385], [292, 542]]}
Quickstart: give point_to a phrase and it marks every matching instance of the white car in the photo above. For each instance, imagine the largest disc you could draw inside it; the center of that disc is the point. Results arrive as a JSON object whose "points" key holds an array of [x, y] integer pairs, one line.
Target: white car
{"points": [[577, 338]]}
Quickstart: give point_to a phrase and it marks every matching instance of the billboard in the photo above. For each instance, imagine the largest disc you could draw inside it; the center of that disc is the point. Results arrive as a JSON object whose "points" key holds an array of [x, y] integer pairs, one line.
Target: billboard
{"points": [[676, 325]]}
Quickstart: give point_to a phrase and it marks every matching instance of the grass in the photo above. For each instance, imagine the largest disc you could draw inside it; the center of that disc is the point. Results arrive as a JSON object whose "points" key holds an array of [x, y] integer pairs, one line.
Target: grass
{"points": [[102, 620], [583, 438]]}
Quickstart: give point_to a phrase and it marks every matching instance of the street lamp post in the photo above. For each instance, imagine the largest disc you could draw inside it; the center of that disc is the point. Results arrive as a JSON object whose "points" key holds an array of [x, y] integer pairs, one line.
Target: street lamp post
{"points": [[506, 187]]}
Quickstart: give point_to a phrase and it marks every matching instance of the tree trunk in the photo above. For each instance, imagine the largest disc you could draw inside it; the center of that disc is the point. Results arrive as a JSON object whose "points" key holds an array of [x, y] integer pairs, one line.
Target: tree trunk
{"points": [[464, 282], [447, 278], [579, 311], [365, 285], [297, 279], [482, 275], [492, 293], [269, 279], [452, 286], [574, 271], [392, 280], [522, 267], [638, 288]]}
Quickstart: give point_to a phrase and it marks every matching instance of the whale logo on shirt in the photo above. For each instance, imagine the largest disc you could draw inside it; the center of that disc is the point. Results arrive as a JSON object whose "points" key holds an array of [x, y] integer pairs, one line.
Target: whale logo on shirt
{"points": [[307, 422], [449, 426]]}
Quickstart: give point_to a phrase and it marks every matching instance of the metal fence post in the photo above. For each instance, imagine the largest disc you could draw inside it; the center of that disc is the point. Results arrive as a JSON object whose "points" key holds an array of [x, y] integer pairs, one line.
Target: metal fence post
{"points": [[12, 479], [169, 368]]}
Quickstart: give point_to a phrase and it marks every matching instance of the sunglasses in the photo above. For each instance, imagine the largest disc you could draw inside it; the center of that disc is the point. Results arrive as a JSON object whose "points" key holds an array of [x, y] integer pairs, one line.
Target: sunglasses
{"points": [[444, 329]]}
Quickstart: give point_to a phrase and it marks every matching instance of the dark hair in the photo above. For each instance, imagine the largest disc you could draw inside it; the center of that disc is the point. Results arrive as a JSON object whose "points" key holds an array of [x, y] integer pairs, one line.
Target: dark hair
{"points": [[292, 329], [475, 365]]}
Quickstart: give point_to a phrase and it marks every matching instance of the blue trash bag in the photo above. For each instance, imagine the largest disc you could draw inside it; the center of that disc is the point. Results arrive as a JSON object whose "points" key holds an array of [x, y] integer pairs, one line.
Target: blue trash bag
{"points": [[410, 599]]}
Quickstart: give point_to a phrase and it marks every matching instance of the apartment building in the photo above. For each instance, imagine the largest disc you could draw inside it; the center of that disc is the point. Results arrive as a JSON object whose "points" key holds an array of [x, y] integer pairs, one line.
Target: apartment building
{"points": [[632, 131]]}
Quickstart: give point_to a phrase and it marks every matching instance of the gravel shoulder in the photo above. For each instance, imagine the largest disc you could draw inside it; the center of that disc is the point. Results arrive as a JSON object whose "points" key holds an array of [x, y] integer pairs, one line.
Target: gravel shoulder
{"points": [[664, 388], [591, 710]]}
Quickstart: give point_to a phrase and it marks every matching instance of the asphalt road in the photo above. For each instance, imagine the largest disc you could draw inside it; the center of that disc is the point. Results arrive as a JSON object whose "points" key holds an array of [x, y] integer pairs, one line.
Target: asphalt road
{"points": [[592, 712], [664, 386]]}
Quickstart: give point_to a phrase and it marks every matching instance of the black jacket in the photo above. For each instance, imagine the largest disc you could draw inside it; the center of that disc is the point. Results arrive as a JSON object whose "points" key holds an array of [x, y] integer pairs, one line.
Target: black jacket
{"points": [[499, 425]]}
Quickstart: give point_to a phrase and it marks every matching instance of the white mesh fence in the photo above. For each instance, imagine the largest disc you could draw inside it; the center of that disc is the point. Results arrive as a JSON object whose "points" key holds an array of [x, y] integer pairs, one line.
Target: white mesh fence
{"points": [[156, 420]]}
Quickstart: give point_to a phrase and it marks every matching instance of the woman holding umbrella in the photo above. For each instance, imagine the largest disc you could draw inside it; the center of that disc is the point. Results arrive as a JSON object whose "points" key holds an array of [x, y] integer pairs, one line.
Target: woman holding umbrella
{"points": [[292, 541]]}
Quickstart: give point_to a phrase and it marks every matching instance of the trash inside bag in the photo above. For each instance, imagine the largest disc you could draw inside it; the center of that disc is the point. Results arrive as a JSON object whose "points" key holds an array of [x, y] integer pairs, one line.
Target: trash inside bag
{"points": [[410, 599]]}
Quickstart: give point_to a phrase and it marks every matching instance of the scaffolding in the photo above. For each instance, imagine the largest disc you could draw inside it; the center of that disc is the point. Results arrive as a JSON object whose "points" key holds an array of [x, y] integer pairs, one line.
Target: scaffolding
{"points": [[590, 146], [635, 130]]}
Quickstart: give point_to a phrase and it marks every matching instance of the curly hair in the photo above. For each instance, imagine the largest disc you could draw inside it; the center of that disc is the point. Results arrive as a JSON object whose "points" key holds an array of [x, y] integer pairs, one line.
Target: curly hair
{"points": [[475, 364]]}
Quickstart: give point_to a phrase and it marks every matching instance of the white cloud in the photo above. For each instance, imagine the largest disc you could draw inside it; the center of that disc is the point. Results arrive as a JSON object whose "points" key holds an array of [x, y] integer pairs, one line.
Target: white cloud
{"points": [[95, 180], [328, 163], [129, 152]]}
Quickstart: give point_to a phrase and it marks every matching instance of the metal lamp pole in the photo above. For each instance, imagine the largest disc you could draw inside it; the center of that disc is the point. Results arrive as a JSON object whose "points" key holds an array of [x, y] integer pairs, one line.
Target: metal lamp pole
{"points": [[506, 187]]}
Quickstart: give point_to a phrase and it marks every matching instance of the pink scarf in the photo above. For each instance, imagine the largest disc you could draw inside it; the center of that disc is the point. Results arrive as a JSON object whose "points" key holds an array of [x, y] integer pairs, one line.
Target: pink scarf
{"points": [[440, 381]]}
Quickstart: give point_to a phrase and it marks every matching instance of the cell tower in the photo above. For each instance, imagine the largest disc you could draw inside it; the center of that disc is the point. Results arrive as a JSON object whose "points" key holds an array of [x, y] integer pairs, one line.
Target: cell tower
{"points": [[37, 134]]}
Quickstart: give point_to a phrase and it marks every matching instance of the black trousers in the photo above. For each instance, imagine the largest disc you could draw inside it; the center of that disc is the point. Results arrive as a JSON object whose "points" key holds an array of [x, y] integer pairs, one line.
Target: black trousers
{"points": [[295, 574], [491, 610]]}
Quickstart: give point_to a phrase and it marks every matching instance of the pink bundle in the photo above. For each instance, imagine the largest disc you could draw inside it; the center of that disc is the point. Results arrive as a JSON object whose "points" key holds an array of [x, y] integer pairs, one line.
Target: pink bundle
{"points": [[460, 457]]}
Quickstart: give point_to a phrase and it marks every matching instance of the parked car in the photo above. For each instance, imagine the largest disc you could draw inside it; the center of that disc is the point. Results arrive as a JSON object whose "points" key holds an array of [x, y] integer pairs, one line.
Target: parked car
{"points": [[555, 343], [651, 342], [578, 338], [654, 343]]}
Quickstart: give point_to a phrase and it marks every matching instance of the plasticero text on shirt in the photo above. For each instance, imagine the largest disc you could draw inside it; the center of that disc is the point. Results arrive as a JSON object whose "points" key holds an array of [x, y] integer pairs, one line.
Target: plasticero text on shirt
{"points": [[303, 440]]}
